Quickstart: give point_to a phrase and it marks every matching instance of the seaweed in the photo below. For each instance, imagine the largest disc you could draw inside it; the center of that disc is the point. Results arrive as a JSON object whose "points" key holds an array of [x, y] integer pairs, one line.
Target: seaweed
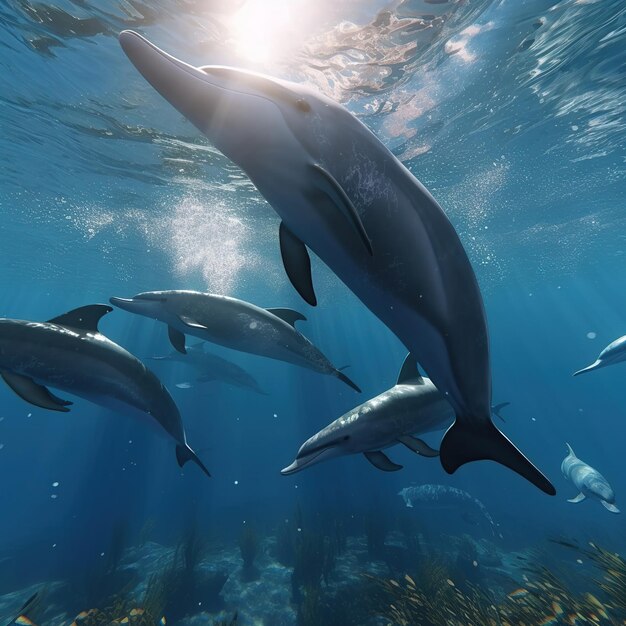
{"points": [[249, 544], [544, 599]]}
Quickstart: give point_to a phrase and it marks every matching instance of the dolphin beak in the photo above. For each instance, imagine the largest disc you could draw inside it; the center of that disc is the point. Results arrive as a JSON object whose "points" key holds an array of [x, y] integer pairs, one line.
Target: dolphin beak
{"points": [[123, 303], [310, 459], [291, 469], [593, 366], [186, 87]]}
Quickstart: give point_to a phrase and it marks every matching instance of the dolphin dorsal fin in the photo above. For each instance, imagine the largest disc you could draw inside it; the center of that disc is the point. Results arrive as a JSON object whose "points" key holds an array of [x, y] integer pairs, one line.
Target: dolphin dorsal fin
{"points": [[287, 315], [570, 450], [409, 374], [83, 318]]}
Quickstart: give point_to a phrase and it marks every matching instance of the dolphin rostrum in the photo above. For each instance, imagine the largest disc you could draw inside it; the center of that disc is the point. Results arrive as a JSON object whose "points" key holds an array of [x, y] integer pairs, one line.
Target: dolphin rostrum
{"points": [[589, 482], [615, 352], [210, 366], [69, 353], [340, 192], [412, 407], [234, 324]]}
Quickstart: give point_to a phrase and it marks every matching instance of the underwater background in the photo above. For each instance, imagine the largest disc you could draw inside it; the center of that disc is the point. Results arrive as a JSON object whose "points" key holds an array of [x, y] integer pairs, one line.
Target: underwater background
{"points": [[513, 114]]}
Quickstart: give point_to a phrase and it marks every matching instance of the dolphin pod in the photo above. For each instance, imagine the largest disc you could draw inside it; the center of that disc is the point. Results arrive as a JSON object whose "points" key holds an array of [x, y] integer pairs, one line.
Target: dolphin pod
{"points": [[69, 353], [413, 406], [615, 352], [210, 367], [340, 192], [234, 324], [589, 482]]}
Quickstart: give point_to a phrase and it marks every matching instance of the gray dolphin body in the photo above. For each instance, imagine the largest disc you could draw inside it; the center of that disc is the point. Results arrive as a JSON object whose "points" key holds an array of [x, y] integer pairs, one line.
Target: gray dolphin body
{"points": [[234, 324], [444, 496], [413, 406], [211, 367], [589, 482], [615, 352], [69, 353], [343, 194]]}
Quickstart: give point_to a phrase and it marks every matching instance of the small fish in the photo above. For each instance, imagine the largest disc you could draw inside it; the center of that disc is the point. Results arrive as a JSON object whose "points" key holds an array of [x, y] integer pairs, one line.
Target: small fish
{"points": [[518, 593]]}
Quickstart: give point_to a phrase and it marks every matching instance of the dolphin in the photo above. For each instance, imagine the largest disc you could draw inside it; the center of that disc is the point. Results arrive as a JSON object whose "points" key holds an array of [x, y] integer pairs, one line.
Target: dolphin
{"points": [[588, 481], [340, 192], [413, 406], [210, 366], [69, 353], [615, 352], [443, 496], [234, 324]]}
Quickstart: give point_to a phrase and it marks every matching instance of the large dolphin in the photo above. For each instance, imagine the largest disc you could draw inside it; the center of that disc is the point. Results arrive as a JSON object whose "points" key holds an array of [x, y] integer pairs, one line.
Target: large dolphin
{"points": [[69, 353], [210, 366], [589, 482], [232, 323], [342, 193], [615, 352], [412, 407]]}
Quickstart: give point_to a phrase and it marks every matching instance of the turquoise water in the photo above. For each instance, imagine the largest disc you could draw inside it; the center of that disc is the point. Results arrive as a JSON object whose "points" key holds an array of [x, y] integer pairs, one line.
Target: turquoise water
{"points": [[511, 113]]}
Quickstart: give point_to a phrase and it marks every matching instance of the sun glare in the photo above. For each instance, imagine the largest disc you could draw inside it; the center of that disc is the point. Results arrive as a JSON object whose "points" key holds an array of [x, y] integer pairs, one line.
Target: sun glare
{"points": [[260, 27]]}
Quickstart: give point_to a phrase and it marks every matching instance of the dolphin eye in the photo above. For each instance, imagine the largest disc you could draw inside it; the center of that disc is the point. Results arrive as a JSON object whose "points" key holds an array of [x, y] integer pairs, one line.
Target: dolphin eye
{"points": [[303, 105]]}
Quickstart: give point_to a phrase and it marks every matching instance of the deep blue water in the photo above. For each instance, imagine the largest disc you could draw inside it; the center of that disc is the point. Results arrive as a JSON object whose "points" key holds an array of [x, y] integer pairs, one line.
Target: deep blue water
{"points": [[512, 114]]}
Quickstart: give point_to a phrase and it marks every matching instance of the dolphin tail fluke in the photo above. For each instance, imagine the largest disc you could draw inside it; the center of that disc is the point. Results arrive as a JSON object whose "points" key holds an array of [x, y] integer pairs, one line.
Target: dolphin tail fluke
{"points": [[593, 366], [341, 376], [185, 453], [465, 442]]}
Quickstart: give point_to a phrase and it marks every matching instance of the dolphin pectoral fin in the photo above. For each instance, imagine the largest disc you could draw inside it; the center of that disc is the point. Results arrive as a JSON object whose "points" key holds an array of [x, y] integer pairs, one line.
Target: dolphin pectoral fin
{"points": [[27, 389], [288, 315], [83, 318], [187, 321], [185, 453], [297, 264], [418, 446], [335, 192], [381, 461], [579, 498], [467, 441], [177, 339], [610, 507]]}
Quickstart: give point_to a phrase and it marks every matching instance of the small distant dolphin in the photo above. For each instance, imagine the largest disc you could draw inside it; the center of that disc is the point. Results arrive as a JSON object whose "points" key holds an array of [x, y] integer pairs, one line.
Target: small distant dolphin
{"points": [[210, 366], [443, 495], [615, 352], [342, 193], [69, 353], [234, 324], [588, 481], [413, 406]]}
